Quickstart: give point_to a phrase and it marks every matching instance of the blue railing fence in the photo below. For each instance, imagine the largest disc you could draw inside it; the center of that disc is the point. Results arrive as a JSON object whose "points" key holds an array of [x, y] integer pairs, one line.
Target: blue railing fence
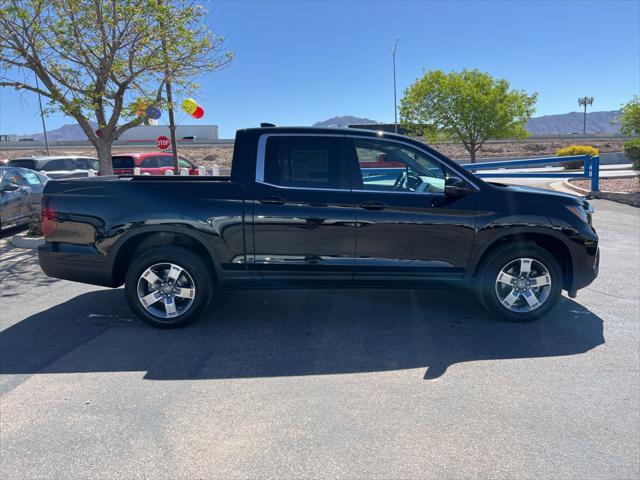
{"points": [[591, 168]]}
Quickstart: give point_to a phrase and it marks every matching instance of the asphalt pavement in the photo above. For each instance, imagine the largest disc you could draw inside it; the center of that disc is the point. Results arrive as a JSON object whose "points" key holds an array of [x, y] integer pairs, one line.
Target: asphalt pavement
{"points": [[323, 384]]}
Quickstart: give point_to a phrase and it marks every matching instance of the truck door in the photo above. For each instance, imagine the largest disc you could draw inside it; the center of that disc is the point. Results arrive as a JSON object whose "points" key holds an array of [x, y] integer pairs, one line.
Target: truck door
{"points": [[408, 232], [303, 213]]}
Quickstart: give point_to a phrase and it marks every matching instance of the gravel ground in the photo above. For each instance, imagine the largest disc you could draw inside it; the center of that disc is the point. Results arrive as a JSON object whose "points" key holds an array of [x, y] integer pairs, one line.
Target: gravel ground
{"points": [[627, 185]]}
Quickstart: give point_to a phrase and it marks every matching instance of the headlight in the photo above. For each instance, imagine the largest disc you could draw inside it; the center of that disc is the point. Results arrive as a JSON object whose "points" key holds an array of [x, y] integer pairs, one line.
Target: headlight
{"points": [[580, 212]]}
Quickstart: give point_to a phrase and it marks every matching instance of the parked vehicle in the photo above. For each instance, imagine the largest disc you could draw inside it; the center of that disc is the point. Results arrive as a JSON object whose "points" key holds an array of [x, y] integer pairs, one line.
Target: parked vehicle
{"points": [[304, 208], [20, 195], [58, 166], [151, 163]]}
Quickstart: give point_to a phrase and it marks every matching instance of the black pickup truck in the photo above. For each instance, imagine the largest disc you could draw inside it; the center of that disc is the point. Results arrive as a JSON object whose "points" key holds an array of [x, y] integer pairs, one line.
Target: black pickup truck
{"points": [[309, 207]]}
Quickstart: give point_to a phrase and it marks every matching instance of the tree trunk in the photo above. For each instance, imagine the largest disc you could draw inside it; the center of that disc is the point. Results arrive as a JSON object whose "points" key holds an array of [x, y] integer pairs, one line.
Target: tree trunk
{"points": [[103, 147], [473, 156]]}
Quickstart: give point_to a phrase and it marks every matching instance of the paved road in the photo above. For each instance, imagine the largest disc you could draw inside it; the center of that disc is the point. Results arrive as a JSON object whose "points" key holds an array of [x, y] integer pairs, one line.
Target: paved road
{"points": [[317, 384]]}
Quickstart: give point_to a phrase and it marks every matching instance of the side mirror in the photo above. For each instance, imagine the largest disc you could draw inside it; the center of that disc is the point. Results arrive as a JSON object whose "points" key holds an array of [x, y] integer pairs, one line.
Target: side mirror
{"points": [[9, 187], [455, 187]]}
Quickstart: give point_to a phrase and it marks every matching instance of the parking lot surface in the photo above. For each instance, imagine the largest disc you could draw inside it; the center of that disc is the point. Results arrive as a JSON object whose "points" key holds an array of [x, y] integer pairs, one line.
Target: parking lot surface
{"points": [[318, 384]]}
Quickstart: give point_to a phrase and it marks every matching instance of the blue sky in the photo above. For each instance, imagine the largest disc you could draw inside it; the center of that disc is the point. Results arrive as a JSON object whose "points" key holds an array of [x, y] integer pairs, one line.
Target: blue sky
{"points": [[298, 62]]}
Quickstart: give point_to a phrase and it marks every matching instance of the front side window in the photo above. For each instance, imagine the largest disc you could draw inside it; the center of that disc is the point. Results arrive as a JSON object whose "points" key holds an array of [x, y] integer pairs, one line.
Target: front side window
{"points": [[305, 161], [184, 163], [390, 166], [10, 176], [30, 178]]}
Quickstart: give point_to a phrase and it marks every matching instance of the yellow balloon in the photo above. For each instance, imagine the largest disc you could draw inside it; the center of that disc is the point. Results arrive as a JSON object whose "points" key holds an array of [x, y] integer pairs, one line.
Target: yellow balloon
{"points": [[189, 105]]}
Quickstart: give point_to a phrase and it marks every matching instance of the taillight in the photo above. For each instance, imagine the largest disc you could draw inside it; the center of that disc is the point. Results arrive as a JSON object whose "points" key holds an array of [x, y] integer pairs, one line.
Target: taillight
{"points": [[49, 219]]}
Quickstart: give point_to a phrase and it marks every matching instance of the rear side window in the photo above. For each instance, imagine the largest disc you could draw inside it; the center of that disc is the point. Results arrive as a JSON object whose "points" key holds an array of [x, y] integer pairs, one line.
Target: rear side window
{"points": [[78, 163], [122, 161], [55, 165], [31, 164], [300, 161], [149, 162], [165, 160]]}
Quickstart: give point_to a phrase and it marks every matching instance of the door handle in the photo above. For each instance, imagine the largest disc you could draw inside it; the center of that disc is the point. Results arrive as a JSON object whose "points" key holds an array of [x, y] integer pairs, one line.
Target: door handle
{"points": [[273, 201], [373, 205]]}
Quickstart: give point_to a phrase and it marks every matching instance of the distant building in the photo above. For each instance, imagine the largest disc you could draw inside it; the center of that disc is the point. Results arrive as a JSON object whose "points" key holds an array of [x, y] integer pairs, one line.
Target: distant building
{"points": [[12, 137], [149, 133]]}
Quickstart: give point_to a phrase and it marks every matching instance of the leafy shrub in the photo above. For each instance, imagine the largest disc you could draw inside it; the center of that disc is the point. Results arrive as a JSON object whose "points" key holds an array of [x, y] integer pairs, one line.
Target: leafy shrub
{"points": [[575, 150], [35, 227], [632, 152]]}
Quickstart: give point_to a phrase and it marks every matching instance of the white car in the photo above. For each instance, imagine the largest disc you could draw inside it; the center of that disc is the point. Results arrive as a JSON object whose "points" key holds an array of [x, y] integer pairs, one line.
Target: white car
{"points": [[58, 166]]}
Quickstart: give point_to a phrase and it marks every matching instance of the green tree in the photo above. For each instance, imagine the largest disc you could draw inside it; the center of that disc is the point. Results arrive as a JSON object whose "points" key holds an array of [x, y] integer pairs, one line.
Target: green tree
{"points": [[102, 59], [468, 106], [630, 117]]}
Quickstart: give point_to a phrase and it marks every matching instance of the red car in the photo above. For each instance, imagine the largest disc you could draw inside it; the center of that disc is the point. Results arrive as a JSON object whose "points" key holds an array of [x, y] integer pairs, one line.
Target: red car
{"points": [[152, 163]]}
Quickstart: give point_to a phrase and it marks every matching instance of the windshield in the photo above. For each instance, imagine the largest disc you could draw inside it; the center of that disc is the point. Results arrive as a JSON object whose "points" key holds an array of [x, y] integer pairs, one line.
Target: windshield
{"points": [[122, 161], [24, 163]]}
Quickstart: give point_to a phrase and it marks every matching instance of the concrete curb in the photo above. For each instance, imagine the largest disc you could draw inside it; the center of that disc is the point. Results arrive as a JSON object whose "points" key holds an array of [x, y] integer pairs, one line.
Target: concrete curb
{"points": [[563, 188], [620, 197], [22, 241], [570, 186]]}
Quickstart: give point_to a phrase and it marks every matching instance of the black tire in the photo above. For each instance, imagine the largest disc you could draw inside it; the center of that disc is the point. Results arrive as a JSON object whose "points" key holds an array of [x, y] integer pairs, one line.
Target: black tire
{"points": [[196, 273], [489, 290]]}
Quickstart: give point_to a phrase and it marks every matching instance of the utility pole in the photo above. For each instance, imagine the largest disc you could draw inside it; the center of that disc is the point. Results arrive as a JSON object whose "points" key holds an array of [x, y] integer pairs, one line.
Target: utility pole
{"points": [[395, 95], [44, 126], [585, 101]]}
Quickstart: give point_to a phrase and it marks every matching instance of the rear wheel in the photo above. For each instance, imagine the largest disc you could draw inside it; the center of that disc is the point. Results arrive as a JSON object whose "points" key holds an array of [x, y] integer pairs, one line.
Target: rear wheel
{"points": [[168, 287], [519, 283]]}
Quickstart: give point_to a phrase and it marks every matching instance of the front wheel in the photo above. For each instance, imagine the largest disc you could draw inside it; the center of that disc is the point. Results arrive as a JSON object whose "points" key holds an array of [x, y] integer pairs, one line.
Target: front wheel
{"points": [[168, 287], [519, 283]]}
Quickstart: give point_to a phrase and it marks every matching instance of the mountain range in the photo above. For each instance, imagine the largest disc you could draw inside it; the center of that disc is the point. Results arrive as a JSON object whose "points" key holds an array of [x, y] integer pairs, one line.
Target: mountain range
{"points": [[597, 122], [66, 133]]}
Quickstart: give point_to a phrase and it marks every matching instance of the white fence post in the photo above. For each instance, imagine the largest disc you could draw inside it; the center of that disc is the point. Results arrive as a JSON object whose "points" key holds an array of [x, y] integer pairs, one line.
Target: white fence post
{"points": [[136, 170], [202, 171], [168, 172], [184, 171], [215, 170]]}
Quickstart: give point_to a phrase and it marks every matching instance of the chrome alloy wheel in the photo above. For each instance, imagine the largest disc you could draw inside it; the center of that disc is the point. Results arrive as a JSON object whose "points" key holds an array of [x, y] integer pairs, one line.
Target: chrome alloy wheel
{"points": [[523, 285], [166, 290]]}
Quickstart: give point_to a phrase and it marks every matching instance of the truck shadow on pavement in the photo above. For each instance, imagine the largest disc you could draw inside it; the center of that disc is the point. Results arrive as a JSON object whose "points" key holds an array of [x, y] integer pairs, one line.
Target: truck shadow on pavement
{"points": [[288, 333]]}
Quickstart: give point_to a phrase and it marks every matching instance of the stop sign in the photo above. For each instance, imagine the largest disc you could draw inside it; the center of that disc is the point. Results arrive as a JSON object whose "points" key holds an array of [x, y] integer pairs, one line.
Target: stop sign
{"points": [[163, 142]]}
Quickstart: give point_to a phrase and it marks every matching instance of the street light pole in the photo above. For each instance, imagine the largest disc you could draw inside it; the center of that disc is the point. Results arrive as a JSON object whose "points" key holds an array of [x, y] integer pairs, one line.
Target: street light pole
{"points": [[585, 101], [395, 97], [44, 126]]}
